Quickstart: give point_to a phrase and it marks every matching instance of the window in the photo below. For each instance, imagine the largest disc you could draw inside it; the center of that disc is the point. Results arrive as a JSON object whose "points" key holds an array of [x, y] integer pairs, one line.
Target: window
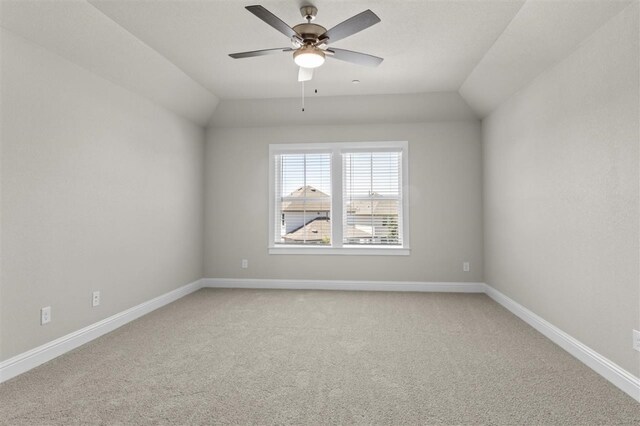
{"points": [[303, 198], [371, 198], [339, 198]]}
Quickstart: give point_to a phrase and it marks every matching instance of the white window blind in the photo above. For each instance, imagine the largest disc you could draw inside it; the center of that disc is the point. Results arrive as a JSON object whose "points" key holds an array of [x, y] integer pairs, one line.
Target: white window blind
{"points": [[372, 198], [303, 199]]}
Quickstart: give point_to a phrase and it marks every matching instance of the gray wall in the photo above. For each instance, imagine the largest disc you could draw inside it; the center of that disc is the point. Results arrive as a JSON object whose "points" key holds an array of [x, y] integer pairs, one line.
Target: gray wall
{"points": [[101, 190], [561, 193], [445, 204]]}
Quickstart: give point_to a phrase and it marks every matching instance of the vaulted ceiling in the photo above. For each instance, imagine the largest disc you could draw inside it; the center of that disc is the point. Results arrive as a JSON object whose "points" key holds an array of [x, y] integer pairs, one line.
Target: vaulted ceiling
{"points": [[175, 52]]}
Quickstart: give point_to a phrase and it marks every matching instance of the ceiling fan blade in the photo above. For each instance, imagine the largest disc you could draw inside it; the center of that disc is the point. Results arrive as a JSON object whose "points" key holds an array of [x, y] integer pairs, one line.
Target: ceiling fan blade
{"points": [[355, 57], [272, 20], [355, 24], [305, 74], [259, 52]]}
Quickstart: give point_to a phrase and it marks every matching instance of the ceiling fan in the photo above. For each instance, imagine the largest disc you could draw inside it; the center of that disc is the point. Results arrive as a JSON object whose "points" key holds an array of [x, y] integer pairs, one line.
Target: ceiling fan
{"points": [[311, 41]]}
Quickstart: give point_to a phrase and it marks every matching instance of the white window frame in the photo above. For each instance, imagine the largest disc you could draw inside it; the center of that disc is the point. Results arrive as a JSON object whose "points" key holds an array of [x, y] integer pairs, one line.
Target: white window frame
{"points": [[337, 246]]}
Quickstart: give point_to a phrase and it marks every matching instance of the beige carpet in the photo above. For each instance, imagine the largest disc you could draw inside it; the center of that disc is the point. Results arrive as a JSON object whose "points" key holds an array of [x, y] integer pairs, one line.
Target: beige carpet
{"points": [[318, 357]]}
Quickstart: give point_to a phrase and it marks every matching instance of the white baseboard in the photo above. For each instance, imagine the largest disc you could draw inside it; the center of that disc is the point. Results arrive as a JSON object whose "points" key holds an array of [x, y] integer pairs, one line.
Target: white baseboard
{"points": [[601, 365], [34, 357], [452, 287]]}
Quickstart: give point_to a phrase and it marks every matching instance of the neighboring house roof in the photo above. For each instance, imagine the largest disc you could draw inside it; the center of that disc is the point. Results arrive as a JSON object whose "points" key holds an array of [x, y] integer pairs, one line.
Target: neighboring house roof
{"points": [[315, 230], [319, 229], [375, 207], [307, 198], [353, 232]]}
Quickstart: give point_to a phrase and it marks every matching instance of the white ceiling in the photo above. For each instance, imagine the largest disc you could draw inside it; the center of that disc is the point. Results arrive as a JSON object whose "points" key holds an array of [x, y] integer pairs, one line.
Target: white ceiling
{"points": [[427, 45], [175, 52]]}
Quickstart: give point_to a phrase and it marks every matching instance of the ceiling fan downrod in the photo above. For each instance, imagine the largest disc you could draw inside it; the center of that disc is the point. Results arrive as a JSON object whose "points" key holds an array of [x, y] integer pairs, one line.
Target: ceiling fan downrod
{"points": [[309, 13]]}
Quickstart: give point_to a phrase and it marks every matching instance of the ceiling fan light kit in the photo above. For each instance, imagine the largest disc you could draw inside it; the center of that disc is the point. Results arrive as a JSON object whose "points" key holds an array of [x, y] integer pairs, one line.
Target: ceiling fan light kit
{"points": [[308, 57], [311, 41]]}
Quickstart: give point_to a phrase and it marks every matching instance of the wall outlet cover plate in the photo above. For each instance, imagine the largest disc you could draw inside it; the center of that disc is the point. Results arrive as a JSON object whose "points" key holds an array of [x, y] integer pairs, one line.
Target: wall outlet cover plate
{"points": [[45, 315]]}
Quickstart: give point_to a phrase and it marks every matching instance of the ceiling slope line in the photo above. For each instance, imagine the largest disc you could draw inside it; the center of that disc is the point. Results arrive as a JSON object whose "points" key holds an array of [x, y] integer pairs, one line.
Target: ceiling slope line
{"points": [[574, 49], [485, 110], [216, 98], [100, 76], [486, 52]]}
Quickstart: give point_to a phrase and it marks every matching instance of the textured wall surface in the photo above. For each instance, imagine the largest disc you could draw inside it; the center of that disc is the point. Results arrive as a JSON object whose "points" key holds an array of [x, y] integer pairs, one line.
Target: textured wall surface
{"points": [[445, 204], [343, 110], [101, 190], [561, 193]]}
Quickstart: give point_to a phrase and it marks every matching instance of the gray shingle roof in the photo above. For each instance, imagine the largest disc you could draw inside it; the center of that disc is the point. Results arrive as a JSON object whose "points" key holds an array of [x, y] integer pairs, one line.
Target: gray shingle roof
{"points": [[316, 230], [319, 229]]}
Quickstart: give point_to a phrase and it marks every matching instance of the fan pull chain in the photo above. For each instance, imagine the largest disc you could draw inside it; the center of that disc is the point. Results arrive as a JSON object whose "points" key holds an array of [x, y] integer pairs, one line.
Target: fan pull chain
{"points": [[303, 96]]}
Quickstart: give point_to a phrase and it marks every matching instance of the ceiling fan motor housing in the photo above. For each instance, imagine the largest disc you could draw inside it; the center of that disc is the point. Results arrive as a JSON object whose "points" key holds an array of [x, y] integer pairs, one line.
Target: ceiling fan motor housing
{"points": [[310, 33]]}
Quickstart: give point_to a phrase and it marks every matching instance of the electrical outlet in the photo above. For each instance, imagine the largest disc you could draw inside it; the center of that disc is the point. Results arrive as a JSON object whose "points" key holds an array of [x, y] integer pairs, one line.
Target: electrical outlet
{"points": [[95, 301], [636, 340], [45, 315], [465, 267], [245, 263]]}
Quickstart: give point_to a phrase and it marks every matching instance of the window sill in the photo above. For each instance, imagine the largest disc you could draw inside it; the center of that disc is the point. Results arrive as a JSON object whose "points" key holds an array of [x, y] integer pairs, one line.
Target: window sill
{"points": [[355, 251]]}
